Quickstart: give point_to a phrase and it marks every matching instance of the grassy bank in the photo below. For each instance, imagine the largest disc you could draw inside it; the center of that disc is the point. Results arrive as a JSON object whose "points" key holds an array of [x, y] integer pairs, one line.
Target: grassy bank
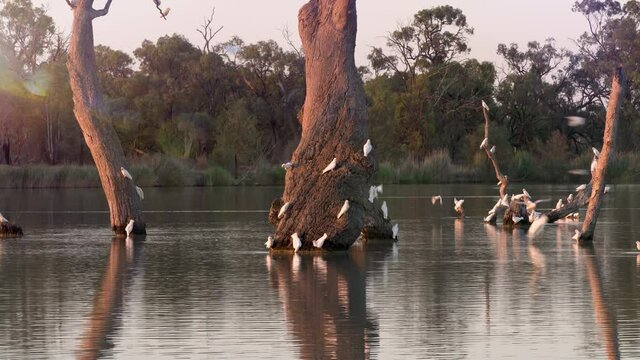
{"points": [[435, 169]]}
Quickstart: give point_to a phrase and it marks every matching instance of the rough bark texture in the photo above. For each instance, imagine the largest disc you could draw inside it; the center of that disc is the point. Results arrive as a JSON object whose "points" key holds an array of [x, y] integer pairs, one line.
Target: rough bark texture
{"points": [[608, 149], [93, 117], [334, 124]]}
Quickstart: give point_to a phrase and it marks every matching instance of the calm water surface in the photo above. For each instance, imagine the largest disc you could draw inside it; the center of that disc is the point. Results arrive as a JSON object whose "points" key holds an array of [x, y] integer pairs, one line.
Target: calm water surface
{"points": [[202, 286]]}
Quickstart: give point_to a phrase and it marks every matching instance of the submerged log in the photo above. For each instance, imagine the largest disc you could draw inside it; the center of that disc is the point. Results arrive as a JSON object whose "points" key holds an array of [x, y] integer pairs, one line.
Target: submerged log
{"points": [[10, 230], [93, 118], [608, 149], [334, 125]]}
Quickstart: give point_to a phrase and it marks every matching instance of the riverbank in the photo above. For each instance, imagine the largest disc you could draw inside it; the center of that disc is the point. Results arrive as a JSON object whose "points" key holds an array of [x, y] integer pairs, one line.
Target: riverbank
{"points": [[436, 169]]}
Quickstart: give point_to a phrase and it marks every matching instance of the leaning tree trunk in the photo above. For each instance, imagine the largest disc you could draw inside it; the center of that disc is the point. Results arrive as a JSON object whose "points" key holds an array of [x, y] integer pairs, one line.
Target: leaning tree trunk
{"points": [[608, 149], [92, 115], [334, 125]]}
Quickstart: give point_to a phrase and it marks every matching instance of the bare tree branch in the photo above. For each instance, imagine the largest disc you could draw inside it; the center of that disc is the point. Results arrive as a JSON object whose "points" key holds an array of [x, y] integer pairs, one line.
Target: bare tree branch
{"points": [[102, 12], [71, 5]]}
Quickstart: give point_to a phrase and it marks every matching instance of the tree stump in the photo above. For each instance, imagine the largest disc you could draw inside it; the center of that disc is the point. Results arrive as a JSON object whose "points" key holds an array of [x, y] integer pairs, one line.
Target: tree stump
{"points": [[334, 125]]}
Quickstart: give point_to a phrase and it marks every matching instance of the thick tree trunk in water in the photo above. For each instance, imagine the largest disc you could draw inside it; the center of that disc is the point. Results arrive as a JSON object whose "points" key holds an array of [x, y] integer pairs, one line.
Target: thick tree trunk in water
{"points": [[608, 148], [334, 125], [91, 113]]}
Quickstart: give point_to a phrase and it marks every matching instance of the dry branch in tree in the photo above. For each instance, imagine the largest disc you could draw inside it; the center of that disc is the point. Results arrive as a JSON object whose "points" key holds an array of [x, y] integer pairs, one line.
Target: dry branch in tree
{"points": [[207, 32], [334, 125]]}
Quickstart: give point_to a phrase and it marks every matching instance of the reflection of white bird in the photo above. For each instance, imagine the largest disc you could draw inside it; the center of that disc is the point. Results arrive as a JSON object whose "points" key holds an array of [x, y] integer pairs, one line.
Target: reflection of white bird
{"points": [[283, 210], [490, 217], [435, 199], [516, 219], [331, 166], [367, 148], [458, 204], [493, 149], [395, 230], [574, 121], [484, 143], [140, 192], [287, 166], [297, 243], [577, 235], [125, 173], [269, 242], [581, 187], [318, 243], [3, 220], [385, 210], [344, 209], [485, 106], [569, 198], [558, 205], [129, 227]]}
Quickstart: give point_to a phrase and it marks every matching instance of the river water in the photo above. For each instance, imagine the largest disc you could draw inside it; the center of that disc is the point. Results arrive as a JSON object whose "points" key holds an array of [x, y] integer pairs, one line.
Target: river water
{"points": [[201, 284]]}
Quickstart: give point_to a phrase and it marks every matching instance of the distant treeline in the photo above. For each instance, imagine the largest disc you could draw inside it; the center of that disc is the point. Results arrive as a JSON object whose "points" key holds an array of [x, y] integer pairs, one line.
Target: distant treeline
{"points": [[231, 108]]}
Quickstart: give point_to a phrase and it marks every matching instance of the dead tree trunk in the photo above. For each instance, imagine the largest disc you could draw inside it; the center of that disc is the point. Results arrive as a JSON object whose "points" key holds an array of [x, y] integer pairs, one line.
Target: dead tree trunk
{"points": [[93, 117], [608, 149], [334, 125]]}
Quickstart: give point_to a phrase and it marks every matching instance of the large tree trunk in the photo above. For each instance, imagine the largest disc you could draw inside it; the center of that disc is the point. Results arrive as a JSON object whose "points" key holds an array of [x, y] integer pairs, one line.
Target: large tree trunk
{"points": [[93, 117], [334, 124], [608, 149]]}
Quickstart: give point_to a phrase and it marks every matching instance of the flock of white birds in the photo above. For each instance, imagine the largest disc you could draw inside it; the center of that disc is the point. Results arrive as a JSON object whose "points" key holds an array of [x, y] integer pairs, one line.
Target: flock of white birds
{"points": [[374, 193]]}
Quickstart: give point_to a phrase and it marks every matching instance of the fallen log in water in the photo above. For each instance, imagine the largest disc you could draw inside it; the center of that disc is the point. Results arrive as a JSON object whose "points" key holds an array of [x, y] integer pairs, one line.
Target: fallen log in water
{"points": [[10, 230]]}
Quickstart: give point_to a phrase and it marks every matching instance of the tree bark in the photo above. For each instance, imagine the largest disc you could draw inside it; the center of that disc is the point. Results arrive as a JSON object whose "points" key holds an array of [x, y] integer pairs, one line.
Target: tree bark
{"points": [[334, 124], [93, 118], [608, 149]]}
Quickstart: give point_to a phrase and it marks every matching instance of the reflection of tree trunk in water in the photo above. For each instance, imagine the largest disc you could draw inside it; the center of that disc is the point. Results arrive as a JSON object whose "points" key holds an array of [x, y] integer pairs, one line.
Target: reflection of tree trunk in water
{"points": [[325, 303], [109, 301], [334, 125], [6, 148], [605, 322]]}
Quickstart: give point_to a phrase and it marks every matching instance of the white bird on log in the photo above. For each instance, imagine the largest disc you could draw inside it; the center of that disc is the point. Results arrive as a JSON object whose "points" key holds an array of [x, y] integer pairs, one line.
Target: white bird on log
{"points": [[581, 187], [577, 235], [129, 227], [287, 166], [378, 190], [435, 199], [372, 194], [558, 205], [457, 205], [331, 166], [344, 209], [484, 143], [500, 181], [283, 209], [516, 219], [526, 193], [574, 216], [140, 192], [485, 106], [367, 148], [395, 230], [490, 217], [3, 220], [125, 173], [318, 243], [638, 245], [269, 242], [297, 243], [493, 149], [518, 197], [607, 189], [505, 200], [574, 121], [594, 164], [569, 198], [385, 210]]}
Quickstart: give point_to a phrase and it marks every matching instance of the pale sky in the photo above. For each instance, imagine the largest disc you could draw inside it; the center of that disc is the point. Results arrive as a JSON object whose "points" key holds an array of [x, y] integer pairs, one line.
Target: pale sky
{"points": [[494, 21]]}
